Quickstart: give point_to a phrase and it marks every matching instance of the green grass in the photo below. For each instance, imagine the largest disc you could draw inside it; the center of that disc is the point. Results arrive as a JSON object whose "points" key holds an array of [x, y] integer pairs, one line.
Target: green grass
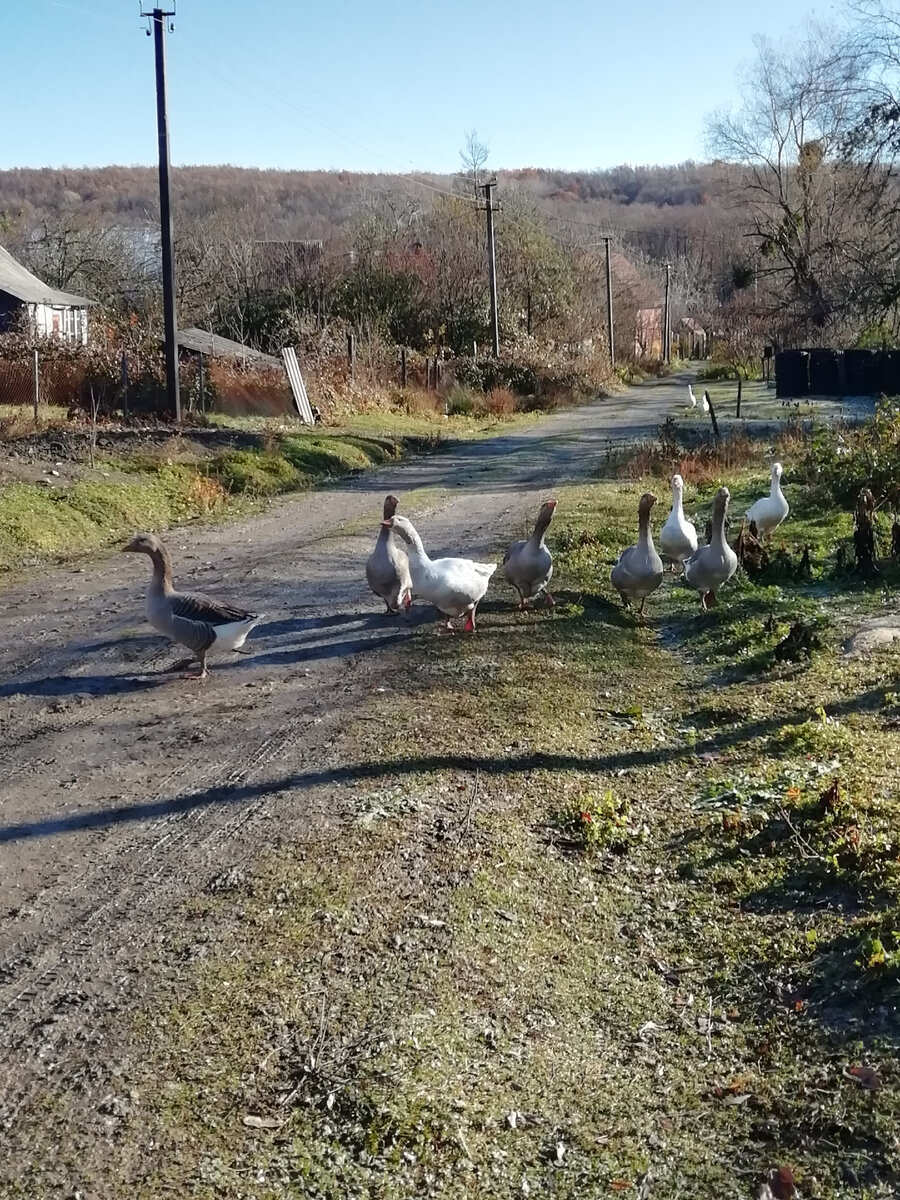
{"points": [[387, 423], [460, 992], [38, 522]]}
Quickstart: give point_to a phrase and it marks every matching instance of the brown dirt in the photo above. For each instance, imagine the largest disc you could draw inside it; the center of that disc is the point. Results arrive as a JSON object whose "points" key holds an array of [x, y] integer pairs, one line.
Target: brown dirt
{"points": [[125, 788]]}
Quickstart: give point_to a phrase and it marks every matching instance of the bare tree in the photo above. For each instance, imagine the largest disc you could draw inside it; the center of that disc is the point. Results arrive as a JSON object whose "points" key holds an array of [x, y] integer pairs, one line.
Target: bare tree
{"points": [[473, 157], [807, 210]]}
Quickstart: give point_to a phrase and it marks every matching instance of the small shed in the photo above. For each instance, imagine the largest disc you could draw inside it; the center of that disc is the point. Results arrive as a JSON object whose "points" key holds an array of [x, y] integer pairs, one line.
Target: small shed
{"points": [[199, 341], [49, 311]]}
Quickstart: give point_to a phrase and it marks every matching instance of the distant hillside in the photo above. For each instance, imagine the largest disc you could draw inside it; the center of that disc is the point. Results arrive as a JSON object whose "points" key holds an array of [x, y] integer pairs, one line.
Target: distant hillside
{"points": [[657, 202]]}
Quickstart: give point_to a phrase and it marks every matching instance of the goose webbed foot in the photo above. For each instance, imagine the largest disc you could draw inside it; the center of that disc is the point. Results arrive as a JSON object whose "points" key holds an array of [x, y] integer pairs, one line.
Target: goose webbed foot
{"points": [[548, 600]]}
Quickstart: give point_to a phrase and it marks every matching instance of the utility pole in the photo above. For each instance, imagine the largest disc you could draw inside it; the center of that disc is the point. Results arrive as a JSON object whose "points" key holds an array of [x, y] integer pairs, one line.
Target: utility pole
{"points": [[158, 18], [666, 337], [609, 306], [490, 209]]}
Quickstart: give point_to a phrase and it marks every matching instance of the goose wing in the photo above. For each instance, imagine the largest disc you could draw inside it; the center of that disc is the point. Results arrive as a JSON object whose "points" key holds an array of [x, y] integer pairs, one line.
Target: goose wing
{"points": [[195, 607]]}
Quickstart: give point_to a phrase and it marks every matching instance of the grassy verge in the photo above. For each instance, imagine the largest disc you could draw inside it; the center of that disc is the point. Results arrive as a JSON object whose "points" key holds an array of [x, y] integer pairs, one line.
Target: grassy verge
{"points": [[156, 491], [608, 908]]}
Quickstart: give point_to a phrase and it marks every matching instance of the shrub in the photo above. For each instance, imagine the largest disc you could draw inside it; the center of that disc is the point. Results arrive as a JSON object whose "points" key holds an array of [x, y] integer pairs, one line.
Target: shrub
{"points": [[460, 402], [715, 371], [500, 402]]}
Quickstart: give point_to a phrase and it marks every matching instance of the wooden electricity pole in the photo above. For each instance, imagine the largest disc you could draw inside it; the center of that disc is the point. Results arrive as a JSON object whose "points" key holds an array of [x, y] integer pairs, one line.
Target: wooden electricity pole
{"points": [[609, 306], [158, 18], [667, 339], [490, 209]]}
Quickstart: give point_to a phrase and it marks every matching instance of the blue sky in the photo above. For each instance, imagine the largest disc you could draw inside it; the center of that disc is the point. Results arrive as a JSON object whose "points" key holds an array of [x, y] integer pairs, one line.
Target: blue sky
{"points": [[388, 86]]}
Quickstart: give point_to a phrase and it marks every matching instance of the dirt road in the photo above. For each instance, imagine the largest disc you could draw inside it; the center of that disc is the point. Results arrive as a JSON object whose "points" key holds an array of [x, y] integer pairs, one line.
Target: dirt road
{"points": [[123, 786]]}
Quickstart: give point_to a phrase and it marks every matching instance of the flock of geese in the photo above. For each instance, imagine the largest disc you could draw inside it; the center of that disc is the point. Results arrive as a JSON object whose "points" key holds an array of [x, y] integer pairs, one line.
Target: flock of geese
{"points": [[399, 570], [692, 399]]}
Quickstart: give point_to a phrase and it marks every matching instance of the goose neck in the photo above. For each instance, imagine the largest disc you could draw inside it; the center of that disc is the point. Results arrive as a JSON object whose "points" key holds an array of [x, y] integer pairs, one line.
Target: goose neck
{"points": [[416, 547], [540, 528], [162, 579], [718, 525], [644, 537]]}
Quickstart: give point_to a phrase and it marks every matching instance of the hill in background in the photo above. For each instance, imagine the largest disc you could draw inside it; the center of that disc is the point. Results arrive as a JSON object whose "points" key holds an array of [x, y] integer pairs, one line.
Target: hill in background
{"points": [[657, 202]]}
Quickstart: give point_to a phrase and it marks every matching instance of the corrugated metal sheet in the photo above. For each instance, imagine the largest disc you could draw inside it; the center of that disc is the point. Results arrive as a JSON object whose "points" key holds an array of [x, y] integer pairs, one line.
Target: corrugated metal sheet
{"points": [[16, 281], [298, 387], [203, 342]]}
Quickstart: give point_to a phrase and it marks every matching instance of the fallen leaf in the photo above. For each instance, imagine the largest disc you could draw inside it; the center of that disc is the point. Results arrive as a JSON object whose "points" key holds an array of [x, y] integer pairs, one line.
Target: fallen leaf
{"points": [[738, 1099], [253, 1122], [620, 1185], [867, 1077]]}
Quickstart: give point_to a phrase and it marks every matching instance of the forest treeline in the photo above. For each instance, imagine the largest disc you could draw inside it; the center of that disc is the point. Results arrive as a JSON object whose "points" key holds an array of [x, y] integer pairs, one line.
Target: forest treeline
{"points": [[314, 204]]}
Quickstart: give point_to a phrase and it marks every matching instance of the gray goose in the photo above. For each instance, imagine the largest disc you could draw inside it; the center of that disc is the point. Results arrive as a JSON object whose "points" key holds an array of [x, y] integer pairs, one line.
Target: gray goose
{"points": [[528, 565], [387, 568], [194, 621], [710, 567], [639, 570]]}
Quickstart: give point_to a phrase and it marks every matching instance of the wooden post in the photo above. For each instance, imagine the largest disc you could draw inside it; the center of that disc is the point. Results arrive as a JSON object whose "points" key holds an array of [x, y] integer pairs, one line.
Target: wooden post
{"points": [[738, 411], [201, 383], [124, 371], [712, 417], [609, 308], [403, 366], [667, 346], [37, 385], [351, 353]]}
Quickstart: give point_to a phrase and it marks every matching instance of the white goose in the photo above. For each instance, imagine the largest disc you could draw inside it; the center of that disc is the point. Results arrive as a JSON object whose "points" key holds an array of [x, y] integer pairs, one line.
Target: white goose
{"points": [[709, 567], [528, 565], [692, 399], [639, 570], [769, 511], [678, 537], [454, 585], [704, 403], [387, 567], [191, 619]]}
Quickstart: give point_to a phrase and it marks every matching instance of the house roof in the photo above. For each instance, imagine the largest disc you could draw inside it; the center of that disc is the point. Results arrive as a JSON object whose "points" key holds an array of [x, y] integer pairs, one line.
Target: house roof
{"points": [[218, 347], [17, 281]]}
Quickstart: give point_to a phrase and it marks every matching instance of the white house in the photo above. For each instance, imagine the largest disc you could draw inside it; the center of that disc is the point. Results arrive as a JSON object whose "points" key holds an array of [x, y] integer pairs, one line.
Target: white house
{"points": [[50, 312]]}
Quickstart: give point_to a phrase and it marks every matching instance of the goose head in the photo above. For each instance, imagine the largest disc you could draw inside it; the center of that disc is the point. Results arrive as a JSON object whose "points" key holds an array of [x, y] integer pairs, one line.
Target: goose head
{"points": [[143, 543], [646, 502], [390, 507], [545, 515], [777, 472], [677, 485], [401, 526]]}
